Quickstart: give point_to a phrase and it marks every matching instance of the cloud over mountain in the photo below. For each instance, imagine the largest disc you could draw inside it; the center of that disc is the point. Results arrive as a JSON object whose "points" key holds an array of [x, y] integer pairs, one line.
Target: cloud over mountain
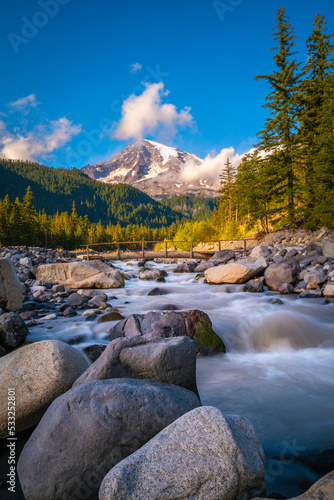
{"points": [[143, 114], [211, 167]]}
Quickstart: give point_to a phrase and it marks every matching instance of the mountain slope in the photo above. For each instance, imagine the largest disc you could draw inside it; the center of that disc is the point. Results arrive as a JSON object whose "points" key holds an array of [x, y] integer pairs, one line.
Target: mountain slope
{"points": [[56, 189], [153, 168], [191, 206]]}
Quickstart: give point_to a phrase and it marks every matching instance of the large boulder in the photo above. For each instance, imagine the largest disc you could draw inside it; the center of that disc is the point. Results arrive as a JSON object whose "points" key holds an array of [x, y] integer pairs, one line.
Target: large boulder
{"points": [[329, 290], [285, 271], [11, 297], [235, 272], [157, 291], [194, 324], [321, 490], [186, 267], [286, 289], [152, 274], [91, 274], [203, 266], [317, 277], [328, 249], [172, 361], [91, 428], [39, 373], [201, 455], [222, 257], [260, 251], [110, 316], [253, 286], [259, 261], [13, 330], [75, 300]]}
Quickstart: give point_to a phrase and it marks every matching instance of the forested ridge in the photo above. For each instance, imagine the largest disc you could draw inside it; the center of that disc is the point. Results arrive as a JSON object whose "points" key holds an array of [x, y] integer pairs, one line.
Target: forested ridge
{"points": [[63, 207], [55, 189]]}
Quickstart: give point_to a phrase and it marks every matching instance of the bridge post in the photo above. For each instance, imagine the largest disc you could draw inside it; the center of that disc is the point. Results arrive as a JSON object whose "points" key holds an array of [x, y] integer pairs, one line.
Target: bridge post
{"points": [[87, 249], [118, 251], [219, 245], [142, 249], [191, 250], [245, 248], [166, 249]]}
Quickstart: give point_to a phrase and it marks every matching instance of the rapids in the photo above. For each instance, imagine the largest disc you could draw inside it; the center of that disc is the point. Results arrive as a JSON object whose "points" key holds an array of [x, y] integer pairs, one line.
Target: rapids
{"points": [[278, 370]]}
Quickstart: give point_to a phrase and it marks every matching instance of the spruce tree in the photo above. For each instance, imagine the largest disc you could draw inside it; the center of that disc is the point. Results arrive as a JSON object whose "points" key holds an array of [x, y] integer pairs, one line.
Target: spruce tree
{"points": [[7, 208], [256, 190], [279, 134], [322, 213], [314, 91], [16, 223], [30, 227], [227, 180], [3, 225]]}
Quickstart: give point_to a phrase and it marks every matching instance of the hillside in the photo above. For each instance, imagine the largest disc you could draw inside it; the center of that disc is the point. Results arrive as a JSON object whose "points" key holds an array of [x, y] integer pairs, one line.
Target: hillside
{"points": [[191, 206], [56, 189]]}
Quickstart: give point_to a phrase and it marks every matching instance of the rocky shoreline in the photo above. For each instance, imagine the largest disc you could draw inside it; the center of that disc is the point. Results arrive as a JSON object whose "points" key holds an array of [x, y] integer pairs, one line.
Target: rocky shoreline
{"points": [[131, 409]]}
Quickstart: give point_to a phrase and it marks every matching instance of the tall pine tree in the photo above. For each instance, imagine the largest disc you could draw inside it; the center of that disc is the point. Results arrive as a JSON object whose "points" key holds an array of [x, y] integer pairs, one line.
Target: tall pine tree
{"points": [[279, 134], [227, 181], [30, 225], [322, 213], [255, 190], [313, 94]]}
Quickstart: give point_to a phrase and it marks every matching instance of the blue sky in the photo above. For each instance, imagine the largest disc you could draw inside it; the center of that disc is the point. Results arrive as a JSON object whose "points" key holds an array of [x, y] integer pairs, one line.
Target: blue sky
{"points": [[68, 67]]}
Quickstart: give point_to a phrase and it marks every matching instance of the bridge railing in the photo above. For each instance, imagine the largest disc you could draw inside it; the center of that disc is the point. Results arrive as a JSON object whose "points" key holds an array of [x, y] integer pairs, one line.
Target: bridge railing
{"points": [[167, 253]]}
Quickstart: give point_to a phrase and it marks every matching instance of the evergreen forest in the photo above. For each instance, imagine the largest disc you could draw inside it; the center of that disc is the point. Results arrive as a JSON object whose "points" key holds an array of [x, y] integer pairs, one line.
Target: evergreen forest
{"points": [[286, 180]]}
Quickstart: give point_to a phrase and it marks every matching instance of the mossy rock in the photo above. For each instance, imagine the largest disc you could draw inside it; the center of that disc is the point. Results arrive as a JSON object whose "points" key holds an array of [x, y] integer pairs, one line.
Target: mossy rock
{"points": [[194, 324], [199, 329]]}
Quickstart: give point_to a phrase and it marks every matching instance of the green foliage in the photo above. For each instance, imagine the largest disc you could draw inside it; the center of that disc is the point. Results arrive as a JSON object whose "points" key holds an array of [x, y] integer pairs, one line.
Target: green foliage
{"points": [[280, 132], [317, 125], [256, 190], [191, 206], [57, 188], [195, 231], [292, 173], [227, 207], [20, 224]]}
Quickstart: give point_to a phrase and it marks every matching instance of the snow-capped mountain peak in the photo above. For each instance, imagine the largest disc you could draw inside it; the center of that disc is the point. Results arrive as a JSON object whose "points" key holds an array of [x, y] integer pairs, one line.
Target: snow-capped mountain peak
{"points": [[152, 167], [165, 151]]}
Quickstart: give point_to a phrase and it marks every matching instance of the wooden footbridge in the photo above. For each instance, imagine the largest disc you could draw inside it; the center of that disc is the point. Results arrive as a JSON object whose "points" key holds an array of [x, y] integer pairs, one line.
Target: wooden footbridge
{"points": [[143, 252]]}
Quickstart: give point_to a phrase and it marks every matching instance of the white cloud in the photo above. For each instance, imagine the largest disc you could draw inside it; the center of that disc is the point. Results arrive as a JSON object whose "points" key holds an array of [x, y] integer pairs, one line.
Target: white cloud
{"points": [[135, 67], [144, 113], [24, 103], [212, 165], [38, 142]]}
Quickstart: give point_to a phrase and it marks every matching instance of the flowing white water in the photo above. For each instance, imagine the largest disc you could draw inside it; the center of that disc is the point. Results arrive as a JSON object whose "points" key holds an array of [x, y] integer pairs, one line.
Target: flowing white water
{"points": [[278, 370]]}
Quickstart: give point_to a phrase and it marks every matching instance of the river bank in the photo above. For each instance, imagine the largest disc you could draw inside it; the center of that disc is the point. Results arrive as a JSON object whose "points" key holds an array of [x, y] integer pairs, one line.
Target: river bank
{"points": [[278, 369]]}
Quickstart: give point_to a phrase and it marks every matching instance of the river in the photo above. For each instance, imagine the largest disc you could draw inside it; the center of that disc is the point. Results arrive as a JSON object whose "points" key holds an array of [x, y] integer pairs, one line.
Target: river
{"points": [[278, 370]]}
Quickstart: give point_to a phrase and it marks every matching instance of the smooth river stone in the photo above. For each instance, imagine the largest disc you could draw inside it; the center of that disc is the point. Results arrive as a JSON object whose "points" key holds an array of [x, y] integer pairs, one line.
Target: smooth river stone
{"points": [[92, 427], [202, 455]]}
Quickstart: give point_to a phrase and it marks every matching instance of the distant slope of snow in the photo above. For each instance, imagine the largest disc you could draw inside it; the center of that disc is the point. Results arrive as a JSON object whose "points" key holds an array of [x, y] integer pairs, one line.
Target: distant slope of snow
{"points": [[154, 168]]}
